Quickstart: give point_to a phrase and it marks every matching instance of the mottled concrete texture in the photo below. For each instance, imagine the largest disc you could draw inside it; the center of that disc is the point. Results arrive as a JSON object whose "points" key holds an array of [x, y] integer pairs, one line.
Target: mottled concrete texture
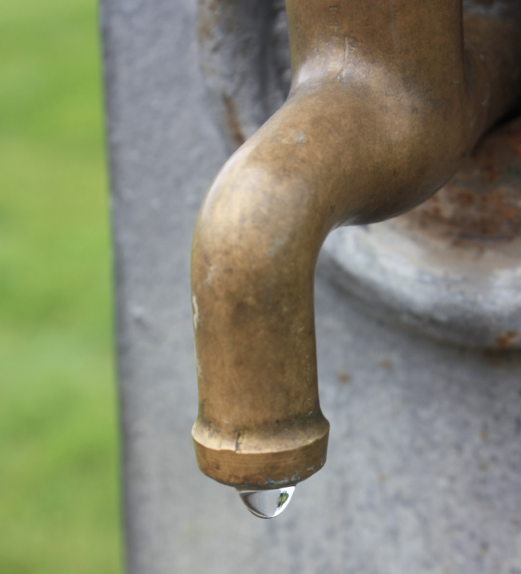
{"points": [[424, 468]]}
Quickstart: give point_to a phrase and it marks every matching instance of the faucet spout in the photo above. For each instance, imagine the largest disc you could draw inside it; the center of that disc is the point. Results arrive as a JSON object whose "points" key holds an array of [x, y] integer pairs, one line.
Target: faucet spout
{"points": [[387, 97]]}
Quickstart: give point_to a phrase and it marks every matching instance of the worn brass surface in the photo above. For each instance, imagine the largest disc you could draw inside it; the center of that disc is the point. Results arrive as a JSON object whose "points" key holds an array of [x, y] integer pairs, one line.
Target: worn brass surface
{"points": [[387, 98]]}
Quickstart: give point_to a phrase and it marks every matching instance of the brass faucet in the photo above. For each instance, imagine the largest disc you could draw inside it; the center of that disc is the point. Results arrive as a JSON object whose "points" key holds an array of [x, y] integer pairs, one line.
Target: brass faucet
{"points": [[387, 97]]}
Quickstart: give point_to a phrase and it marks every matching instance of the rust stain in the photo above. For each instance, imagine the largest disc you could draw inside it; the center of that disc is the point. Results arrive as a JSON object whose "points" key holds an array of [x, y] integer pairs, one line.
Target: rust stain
{"points": [[343, 377], [506, 340], [232, 121], [209, 19], [214, 24], [482, 202], [386, 363], [497, 356]]}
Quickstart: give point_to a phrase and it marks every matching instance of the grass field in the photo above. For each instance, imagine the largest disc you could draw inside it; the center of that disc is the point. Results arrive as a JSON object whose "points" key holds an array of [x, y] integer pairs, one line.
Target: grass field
{"points": [[58, 433]]}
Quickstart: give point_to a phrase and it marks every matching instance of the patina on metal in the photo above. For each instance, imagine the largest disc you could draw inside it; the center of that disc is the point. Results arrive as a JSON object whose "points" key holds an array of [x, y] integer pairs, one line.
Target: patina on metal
{"points": [[386, 100]]}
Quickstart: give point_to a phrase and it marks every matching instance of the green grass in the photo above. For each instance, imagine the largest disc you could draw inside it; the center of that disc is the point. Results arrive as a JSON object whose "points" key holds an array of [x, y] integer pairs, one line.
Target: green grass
{"points": [[58, 447]]}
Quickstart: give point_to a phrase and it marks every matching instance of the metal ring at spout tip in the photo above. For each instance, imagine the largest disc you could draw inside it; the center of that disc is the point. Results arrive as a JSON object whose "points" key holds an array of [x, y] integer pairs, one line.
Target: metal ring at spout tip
{"points": [[264, 470]]}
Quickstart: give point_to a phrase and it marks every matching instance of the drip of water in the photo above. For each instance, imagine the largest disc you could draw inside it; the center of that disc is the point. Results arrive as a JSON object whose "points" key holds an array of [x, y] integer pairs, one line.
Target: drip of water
{"points": [[266, 503]]}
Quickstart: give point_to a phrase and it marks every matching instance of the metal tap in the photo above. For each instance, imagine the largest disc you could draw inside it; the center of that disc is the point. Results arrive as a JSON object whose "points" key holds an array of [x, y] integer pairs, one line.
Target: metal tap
{"points": [[386, 99]]}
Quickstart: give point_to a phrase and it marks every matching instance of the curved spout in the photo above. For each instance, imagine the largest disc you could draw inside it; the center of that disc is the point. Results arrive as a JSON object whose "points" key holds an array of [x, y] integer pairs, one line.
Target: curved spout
{"points": [[386, 99]]}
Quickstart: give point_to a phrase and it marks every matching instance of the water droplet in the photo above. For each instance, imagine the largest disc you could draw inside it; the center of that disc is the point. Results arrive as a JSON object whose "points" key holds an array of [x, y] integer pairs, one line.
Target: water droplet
{"points": [[267, 503]]}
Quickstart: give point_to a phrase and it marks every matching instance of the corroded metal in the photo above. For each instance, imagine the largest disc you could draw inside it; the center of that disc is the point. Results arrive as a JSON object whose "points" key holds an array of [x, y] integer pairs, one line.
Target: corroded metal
{"points": [[451, 267], [386, 100], [246, 63], [482, 202]]}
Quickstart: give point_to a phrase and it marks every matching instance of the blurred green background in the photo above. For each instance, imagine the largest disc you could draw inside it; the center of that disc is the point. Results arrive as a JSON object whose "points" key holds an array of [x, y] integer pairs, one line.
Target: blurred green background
{"points": [[59, 500]]}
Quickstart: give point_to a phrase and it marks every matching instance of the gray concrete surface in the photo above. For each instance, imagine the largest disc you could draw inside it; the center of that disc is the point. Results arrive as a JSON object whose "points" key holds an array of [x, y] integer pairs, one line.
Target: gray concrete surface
{"points": [[424, 468]]}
